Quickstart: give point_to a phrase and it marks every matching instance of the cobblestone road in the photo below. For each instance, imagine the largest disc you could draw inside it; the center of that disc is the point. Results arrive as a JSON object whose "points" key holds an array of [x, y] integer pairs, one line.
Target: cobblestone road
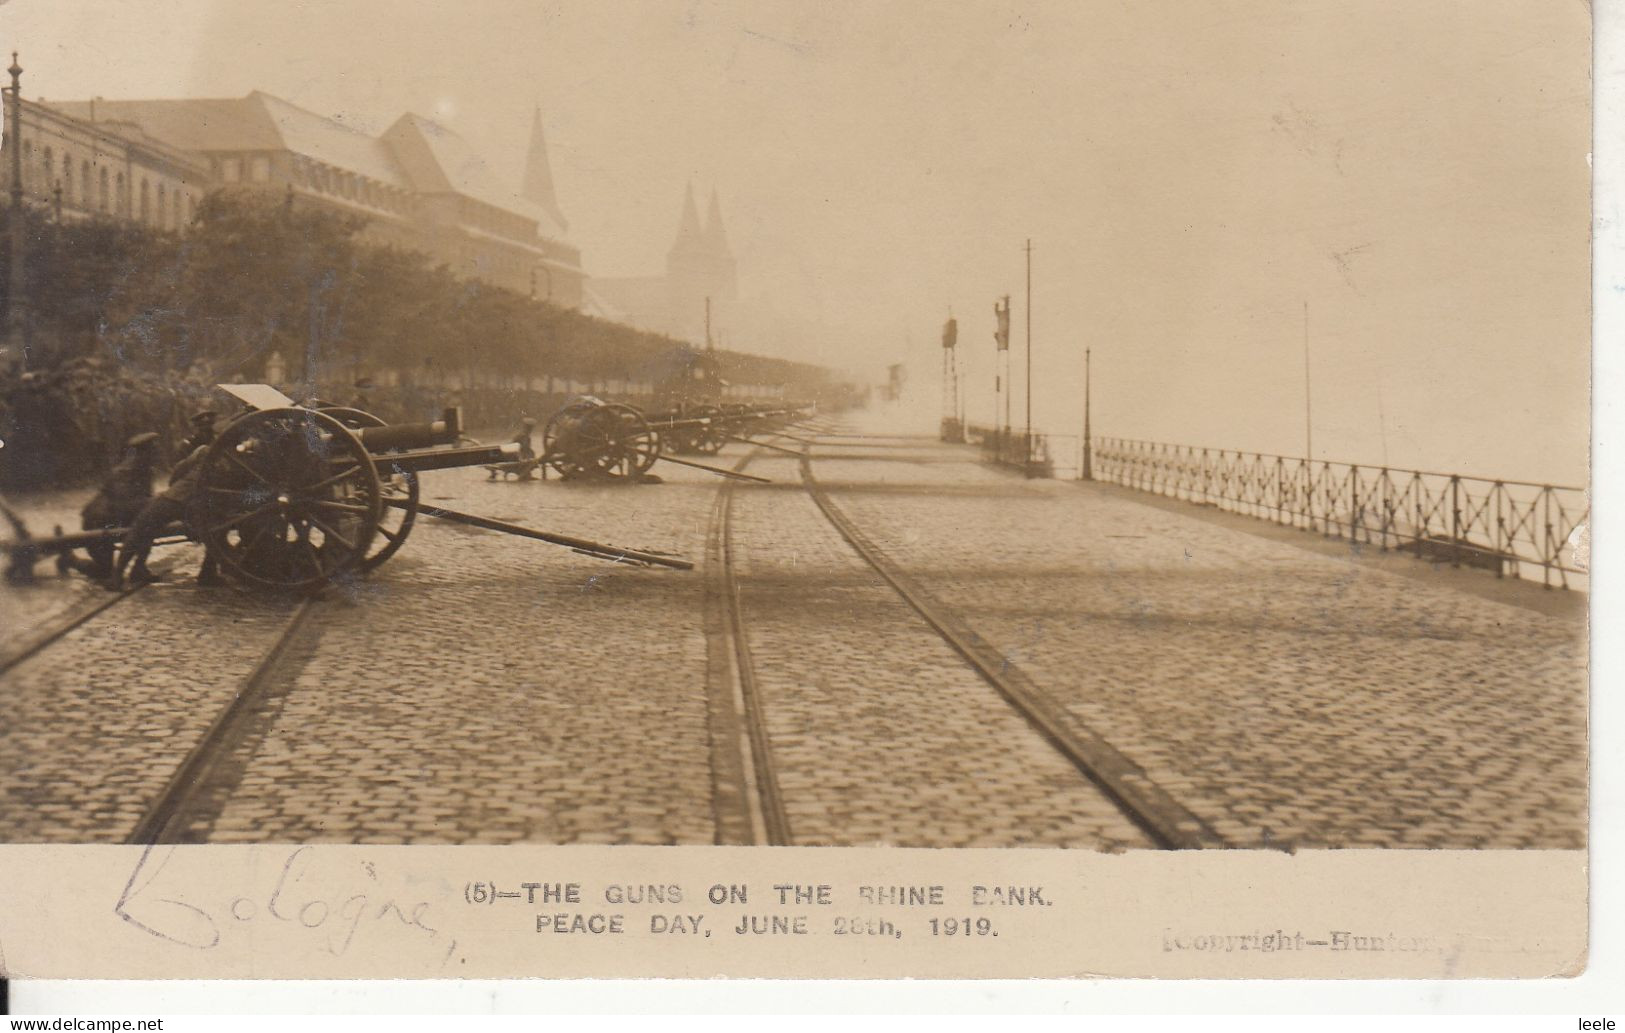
{"points": [[1286, 697], [880, 732], [485, 689]]}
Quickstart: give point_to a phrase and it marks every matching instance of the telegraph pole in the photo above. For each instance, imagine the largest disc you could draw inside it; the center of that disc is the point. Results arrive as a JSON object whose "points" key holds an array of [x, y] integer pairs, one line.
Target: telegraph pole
{"points": [[1027, 461], [1308, 416], [1088, 439], [14, 283]]}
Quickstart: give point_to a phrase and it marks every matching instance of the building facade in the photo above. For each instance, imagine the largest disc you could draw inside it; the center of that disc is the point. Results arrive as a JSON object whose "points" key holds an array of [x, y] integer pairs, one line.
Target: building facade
{"points": [[86, 168], [419, 185]]}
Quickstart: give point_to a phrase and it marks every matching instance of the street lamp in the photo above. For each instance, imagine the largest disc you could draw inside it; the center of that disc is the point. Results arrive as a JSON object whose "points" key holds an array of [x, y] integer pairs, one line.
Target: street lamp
{"points": [[14, 283]]}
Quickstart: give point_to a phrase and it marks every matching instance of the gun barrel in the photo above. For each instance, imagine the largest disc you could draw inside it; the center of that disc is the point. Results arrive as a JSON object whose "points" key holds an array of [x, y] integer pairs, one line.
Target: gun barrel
{"points": [[446, 458]]}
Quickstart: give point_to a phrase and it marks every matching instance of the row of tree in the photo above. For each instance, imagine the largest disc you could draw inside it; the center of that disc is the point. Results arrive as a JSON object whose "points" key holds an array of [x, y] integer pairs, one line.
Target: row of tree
{"points": [[256, 275], [128, 329]]}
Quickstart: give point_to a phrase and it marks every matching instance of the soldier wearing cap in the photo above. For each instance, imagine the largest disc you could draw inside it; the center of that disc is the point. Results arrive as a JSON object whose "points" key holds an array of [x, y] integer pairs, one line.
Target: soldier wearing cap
{"points": [[203, 432], [125, 491], [164, 509], [522, 438]]}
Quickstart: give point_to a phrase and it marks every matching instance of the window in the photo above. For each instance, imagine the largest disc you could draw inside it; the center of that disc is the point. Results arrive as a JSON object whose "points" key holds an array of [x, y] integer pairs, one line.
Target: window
{"points": [[67, 178], [146, 201], [84, 184], [48, 166], [231, 170], [121, 198], [163, 208], [260, 170], [103, 198]]}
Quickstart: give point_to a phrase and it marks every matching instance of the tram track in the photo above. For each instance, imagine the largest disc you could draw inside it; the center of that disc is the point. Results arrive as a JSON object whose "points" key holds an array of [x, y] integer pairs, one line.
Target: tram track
{"points": [[756, 787], [186, 796], [59, 627]]}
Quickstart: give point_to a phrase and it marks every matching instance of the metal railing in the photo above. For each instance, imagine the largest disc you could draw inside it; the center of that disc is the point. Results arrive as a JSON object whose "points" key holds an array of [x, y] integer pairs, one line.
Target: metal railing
{"points": [[1472, 521], [1037, 455]]}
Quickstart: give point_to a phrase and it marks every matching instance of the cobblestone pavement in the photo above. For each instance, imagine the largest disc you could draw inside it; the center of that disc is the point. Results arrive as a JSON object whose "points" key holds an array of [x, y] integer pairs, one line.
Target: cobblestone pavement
{"points": [[92, 729], [490, 689], [880, 733], [1288, 698], [480, 688]]}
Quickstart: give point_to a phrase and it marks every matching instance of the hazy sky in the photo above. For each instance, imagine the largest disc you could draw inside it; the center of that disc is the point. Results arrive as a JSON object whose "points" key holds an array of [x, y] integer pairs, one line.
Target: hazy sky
{"points": [[1191, 174]]}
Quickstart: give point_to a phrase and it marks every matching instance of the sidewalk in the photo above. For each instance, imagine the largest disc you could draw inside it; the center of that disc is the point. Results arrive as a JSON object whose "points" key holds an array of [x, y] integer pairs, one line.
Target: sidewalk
{"points": [[1292, 693]]}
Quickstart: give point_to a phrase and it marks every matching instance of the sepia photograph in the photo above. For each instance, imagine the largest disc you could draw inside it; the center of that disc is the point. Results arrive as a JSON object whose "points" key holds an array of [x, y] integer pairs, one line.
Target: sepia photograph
{"points": [[1054, 428]]}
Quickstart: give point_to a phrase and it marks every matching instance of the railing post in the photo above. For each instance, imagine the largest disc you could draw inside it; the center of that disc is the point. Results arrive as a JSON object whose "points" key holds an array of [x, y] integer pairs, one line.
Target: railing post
{"points": [[1280, 489], [1455, 520], [1498, 542], [1546, 550], [1387, 486], [1354, 503]]}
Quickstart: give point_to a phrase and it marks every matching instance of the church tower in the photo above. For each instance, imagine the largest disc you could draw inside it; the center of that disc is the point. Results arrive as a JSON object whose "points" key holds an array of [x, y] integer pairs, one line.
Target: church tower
{"points": [[699, 266], [721, 269], [538, 185]]}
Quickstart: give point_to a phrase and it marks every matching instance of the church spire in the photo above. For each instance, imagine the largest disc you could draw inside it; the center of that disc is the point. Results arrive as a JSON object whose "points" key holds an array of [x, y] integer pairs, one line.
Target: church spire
{"points": [[538, 187], [716, 238], [689, 237]]}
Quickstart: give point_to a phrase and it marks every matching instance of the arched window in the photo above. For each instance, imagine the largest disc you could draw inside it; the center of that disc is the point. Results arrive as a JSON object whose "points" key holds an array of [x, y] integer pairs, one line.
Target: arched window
{"points": [[85, 197], [146, 202], [48, 167], [67, 178], [102, 200], [163, 208], [191, 209]]}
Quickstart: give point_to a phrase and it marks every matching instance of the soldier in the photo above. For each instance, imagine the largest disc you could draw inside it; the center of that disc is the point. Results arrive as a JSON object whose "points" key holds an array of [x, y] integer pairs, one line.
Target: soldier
{"points": [[124, 493], [164, 509], [522, 438], [523, 467], [203, 432]]}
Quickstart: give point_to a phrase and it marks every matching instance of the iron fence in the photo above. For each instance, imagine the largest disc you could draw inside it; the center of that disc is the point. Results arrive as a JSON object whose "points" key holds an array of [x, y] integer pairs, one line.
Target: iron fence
{"points": [[1472, 521]]}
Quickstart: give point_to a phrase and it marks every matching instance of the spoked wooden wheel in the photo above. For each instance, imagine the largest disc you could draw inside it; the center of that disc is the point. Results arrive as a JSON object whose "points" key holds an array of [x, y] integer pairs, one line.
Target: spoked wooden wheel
{"points": [[597, 440], [288, 498], [638, 443], [394, 522], [709, 439]]}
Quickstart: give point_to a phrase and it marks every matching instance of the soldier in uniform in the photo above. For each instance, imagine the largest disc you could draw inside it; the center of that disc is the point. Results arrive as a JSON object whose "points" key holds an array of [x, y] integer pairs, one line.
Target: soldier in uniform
{"points": [[522, 438], [203, 432], [124, 493], [524, 467], [164, 509]]}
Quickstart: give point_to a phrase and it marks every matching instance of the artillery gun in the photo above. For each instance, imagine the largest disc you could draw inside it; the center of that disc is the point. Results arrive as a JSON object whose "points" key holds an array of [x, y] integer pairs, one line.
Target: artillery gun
{"points": [[598, 440], [294, 497]]}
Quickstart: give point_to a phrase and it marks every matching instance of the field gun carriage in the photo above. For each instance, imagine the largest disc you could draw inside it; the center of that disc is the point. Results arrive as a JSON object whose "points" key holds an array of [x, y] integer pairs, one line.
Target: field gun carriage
{"points": [[296, 496], [594, 439]]}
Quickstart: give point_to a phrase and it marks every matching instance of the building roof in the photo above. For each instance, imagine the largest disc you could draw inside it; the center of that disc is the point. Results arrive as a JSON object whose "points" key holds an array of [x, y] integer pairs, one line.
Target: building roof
{"points": [[257, 122], [538, 187], [437, 160], [415, 153], [330, 141], [689, 236], [716, 238]]}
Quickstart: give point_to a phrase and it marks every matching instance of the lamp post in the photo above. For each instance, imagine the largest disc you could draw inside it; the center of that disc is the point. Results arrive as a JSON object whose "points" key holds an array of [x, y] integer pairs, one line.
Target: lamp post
{"points": [[14, 283], [1088, 437], [1027, 437]]}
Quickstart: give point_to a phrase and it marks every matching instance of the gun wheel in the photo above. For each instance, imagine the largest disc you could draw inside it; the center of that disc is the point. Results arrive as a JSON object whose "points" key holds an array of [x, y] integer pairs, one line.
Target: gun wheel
{"points": [[394, 522], [586, 439], [288, 498]]}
